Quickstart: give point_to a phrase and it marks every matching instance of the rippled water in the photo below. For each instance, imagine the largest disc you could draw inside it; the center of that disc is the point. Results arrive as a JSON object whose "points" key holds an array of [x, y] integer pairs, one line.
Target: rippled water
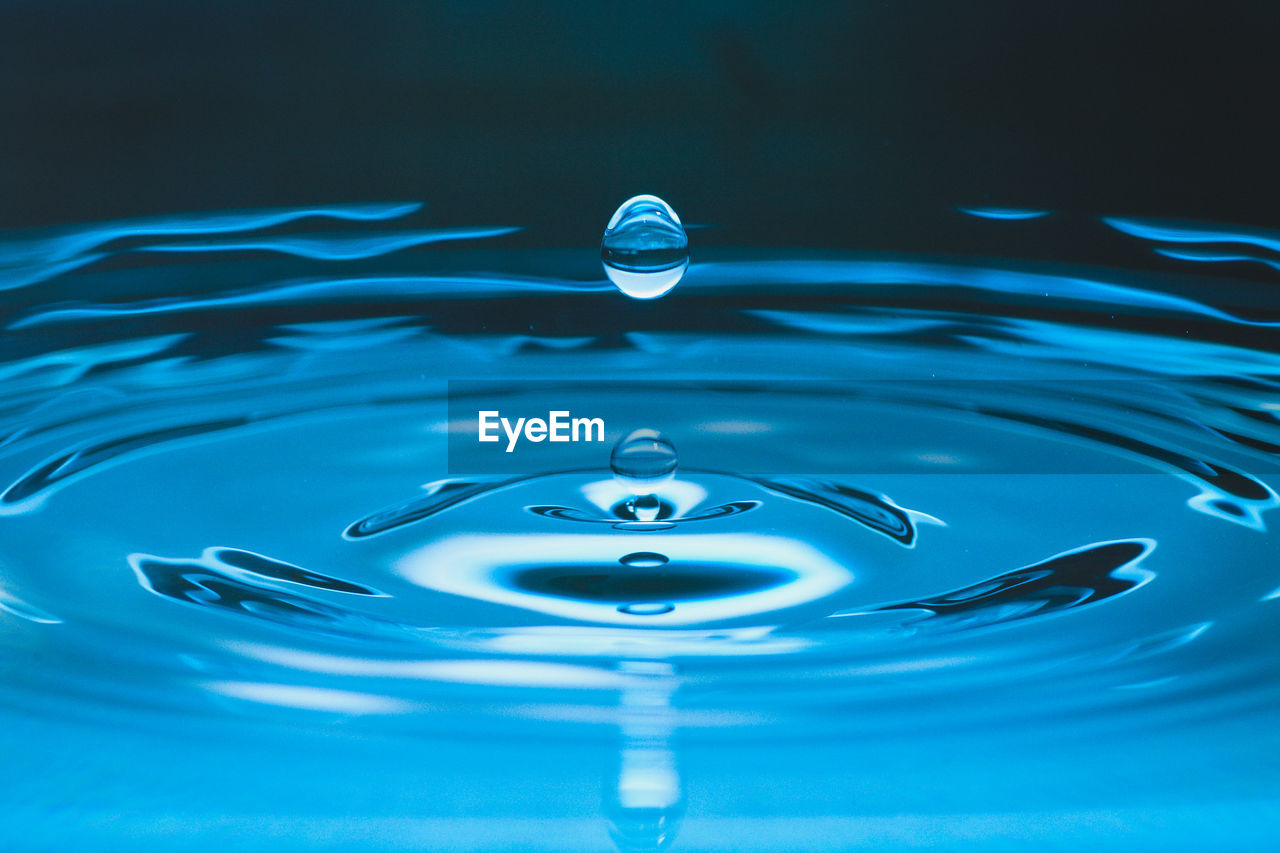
{"points": [[957, 551]]}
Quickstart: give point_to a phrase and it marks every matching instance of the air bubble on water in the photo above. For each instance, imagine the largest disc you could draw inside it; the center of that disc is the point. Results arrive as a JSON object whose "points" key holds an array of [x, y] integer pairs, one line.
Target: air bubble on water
{"points": [[645, 250], [643, 462], [647, 608], [644, 560]]}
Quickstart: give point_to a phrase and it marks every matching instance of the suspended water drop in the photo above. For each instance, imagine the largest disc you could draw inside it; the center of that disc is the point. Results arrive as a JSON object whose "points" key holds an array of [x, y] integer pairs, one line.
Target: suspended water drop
{"points": [[645, 250], [647, 608], [644, 560], [643, 462]]}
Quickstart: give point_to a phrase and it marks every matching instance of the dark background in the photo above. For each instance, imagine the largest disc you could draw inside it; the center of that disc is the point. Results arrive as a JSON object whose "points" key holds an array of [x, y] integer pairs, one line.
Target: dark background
{"points": [[838, 124]]}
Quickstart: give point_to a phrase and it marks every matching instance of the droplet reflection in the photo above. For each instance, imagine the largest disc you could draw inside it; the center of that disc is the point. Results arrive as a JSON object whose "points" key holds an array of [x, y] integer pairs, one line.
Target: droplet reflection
{"points": [[646, 804]]}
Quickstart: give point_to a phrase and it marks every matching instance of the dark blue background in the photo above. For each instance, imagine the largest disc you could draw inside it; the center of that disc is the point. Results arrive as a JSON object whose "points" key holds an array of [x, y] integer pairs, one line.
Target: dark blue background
{"points": [[826, 124]]}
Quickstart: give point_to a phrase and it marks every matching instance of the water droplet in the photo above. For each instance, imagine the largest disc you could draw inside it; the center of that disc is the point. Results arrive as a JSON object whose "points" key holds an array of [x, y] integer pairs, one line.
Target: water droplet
{"points": [[645, 250], [643, 462], [647, 608], [645, 508], [644, 560]]}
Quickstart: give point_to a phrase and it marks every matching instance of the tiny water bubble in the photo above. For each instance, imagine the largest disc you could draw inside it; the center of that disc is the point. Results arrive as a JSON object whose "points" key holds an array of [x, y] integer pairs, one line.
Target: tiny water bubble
{"points": [[645, 507], [643, 462], [645, 250]]}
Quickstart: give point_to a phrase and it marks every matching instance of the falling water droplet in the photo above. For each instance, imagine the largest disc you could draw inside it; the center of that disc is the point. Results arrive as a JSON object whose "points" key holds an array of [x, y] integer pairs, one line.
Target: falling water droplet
{"points": [[647, 608], [644, 560], [645, 250], [643, 462]]}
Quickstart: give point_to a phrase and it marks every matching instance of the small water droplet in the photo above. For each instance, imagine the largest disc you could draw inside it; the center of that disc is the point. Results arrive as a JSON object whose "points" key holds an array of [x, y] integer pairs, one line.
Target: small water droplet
{"points": [[643, 462], [645, 508], [644, 560], [647, 608], [645, 250]]}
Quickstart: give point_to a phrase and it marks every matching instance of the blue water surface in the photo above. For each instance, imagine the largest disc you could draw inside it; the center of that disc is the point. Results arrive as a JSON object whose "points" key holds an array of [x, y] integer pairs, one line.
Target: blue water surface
{"points": [[960, 552]]}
